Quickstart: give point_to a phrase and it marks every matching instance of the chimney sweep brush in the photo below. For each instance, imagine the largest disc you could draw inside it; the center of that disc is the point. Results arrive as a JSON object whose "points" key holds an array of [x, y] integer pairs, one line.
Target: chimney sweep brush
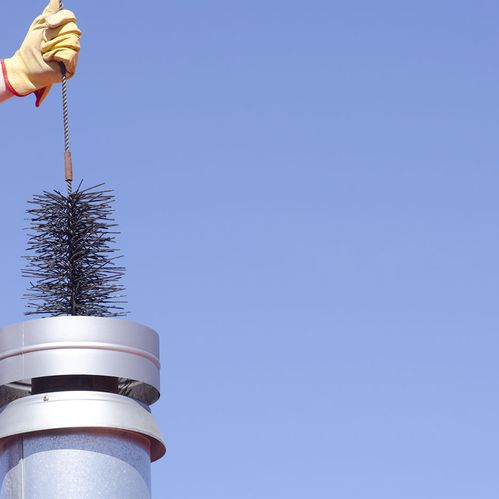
{"points": [[71, 262]]}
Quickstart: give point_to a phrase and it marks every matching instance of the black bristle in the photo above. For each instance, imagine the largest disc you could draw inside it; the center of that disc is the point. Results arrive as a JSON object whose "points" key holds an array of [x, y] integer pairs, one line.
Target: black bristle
{"points": [[71, 262]]}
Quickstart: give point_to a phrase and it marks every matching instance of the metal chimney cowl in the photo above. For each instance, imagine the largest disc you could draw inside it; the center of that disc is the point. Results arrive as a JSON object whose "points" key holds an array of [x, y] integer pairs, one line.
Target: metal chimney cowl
{"points": [[74, 409]]}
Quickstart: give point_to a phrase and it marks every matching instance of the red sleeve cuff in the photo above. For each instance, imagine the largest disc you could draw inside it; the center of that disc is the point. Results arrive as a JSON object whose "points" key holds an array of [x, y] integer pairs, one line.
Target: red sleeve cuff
{"points": [[10, 88]]}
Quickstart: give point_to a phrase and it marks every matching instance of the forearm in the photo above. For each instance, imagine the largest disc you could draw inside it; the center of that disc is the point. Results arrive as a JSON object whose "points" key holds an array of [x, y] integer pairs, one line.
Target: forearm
{"points": [[4, 93]]}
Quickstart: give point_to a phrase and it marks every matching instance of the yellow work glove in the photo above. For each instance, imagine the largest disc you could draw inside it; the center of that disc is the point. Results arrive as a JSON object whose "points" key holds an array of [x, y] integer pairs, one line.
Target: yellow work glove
{"points": [[53, 37]]}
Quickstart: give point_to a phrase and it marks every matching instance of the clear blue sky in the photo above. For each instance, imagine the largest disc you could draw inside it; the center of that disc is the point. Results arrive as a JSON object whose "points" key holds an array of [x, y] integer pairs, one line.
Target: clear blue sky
{"points": [[307, 193]]}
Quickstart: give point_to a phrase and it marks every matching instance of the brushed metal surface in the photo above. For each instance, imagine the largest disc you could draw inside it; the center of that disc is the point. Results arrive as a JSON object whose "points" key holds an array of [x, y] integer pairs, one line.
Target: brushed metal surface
{"points": [[77, 410], [97, 346], [76, 464]]}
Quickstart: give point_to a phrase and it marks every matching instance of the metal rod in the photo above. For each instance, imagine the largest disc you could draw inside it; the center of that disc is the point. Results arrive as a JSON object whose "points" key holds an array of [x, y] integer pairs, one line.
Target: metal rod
{"points": [[68, 163]]}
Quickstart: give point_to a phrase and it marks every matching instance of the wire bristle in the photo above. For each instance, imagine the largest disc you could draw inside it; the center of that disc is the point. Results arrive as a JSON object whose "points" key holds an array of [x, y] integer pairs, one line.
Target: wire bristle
{"points": [[71, 262]]}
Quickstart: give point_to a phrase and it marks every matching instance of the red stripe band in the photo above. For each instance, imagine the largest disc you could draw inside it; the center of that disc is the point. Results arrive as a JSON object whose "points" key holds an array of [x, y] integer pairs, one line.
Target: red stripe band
{"points": [[10, 88]]}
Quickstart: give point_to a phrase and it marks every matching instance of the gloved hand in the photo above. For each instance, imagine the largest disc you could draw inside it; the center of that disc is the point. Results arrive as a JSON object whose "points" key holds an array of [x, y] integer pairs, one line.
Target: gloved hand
{"points": [[52, 38]]}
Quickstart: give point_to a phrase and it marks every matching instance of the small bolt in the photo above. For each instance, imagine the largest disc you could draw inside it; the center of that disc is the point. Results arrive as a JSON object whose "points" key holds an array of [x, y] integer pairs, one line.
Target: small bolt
{"points": [[46, 398]]}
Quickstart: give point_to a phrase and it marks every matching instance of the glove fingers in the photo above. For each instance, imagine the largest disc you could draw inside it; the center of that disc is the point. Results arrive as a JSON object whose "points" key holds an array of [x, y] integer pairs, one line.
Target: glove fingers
{"points": [[67, 29], [62, 40], [60, 18], [67, 56], [51, 8], [52, 17], [68, 41]]}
